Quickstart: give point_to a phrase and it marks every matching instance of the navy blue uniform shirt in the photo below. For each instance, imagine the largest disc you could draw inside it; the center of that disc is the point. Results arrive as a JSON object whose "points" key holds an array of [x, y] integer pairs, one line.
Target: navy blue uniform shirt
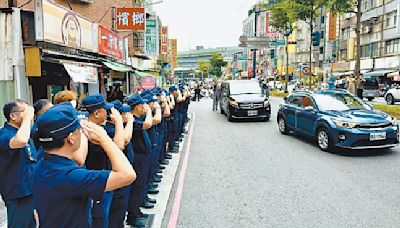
{"points": [[16, 166], [180, 107], [140, 139], [97, 159], [174, 111], [62, 191]]}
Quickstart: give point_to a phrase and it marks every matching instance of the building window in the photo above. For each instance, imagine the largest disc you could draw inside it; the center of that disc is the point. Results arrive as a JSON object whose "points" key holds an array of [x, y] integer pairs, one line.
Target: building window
{"points": [[391, 19], [392, 46], [343, 55], [367, 4], [370, 50], [346, 33]]}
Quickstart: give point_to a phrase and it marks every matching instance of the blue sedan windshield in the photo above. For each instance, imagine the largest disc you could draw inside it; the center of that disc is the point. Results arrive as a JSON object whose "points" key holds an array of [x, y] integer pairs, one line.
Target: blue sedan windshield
{"points": [[339, 102]]}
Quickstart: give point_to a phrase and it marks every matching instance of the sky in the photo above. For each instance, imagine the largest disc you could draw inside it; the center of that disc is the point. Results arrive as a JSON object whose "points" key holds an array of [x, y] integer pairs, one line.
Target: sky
{"points": [[208, 23]]}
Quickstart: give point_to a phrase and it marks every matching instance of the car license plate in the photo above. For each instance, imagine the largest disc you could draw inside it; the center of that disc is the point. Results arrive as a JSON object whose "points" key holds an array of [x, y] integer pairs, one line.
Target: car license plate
{"points": [[252, 113], [377, 136]]}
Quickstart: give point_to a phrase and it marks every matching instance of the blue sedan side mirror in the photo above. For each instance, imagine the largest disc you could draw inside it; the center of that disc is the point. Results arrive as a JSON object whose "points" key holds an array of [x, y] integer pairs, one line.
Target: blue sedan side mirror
{"points": [[310, 109]]}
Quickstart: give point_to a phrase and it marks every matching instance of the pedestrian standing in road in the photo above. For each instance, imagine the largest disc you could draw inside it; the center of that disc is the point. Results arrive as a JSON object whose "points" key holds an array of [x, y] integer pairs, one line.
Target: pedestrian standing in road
{"points": [[331, 82], [142, 148], [351, 84], [96, 159], [66, 96], [217, 95], [197, 91], [63, 187], [17, 161], [359, 84]]}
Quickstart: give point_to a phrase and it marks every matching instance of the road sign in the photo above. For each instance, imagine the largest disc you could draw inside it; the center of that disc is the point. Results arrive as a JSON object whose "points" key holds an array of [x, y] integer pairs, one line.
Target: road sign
{"points": [[306, 70], [278, 43]]}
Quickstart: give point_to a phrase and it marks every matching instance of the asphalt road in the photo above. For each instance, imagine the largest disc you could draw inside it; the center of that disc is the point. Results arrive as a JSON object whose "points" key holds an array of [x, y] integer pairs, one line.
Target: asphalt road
{"points": [[246, 174]]}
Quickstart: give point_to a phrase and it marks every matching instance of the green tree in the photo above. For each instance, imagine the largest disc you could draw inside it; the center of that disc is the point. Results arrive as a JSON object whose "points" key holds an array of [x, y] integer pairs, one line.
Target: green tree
{"points": [[216, 62], [350, 6], [308, 11], [282, 19], [204, 67]]}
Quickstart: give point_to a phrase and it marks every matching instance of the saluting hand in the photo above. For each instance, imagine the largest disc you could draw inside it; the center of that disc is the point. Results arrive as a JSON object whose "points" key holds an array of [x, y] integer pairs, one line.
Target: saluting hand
{"points": [[115, 116], [129, 117], [28, 114], [95, 133]]}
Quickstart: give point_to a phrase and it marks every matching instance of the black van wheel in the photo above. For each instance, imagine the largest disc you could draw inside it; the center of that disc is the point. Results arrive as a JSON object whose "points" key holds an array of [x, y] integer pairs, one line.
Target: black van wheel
{"points": [[370, 98]]}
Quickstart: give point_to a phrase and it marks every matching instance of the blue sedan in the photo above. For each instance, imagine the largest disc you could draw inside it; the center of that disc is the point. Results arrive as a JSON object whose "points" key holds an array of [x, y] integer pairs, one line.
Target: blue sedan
{"points": [[337, 119]]}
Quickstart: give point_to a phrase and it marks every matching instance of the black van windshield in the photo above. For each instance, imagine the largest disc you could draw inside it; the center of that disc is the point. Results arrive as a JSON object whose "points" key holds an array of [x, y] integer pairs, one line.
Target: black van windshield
{"points": [[245, 88]]}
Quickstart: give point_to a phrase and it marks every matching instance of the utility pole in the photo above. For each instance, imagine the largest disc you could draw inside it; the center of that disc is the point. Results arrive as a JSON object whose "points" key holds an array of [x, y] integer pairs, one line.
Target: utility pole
{"points": [[358, 52]]}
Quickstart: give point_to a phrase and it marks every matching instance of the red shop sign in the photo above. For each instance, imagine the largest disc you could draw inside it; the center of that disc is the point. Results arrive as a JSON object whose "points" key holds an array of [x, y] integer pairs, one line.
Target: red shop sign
{"points": [[148, 82], [110, 43]]}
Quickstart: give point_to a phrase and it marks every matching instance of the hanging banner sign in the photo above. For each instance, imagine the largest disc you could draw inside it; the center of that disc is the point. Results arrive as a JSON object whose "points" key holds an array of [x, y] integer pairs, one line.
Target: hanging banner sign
{"points": [[130, 19], [81, 73], [152, 40], [332, 26], [110, 43]]}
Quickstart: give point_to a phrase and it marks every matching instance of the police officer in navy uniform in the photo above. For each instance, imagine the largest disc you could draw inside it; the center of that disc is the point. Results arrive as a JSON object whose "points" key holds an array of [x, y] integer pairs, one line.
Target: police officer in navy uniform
{"points": [[142, 149], [163, 126], [62, 186], [180, 100], [17, 161], [173, 123], [96, 159], [120, 200]]}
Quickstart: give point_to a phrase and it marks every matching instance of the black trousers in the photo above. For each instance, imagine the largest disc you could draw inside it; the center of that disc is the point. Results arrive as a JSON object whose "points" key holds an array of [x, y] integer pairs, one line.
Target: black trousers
{"points": [[360, 93]]}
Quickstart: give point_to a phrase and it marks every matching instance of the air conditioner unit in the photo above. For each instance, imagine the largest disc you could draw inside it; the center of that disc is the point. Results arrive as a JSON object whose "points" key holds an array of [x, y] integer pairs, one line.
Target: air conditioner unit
{"points": [[366, 29]]}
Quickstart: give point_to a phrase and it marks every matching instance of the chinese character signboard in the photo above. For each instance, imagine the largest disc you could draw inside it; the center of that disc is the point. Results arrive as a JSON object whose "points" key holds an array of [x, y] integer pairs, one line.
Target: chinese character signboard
{"points": [[130, 19], [164, 41], [151, 38], [173, 53], [59, 25], [110, 43]]}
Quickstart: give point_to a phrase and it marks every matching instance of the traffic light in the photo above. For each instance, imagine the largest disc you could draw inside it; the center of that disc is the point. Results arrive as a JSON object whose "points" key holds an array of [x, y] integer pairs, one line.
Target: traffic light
{"points": [[316, 38]]}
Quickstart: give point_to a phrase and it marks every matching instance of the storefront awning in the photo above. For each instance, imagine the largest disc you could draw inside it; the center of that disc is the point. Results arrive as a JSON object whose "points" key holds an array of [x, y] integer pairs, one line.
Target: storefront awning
{"points": [[377, 73], [142, 74], [117, 66], [81, 72]]}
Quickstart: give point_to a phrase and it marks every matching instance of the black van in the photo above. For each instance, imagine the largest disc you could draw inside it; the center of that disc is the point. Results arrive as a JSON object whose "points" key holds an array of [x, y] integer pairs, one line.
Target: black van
{"points": [[243, 99]]}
